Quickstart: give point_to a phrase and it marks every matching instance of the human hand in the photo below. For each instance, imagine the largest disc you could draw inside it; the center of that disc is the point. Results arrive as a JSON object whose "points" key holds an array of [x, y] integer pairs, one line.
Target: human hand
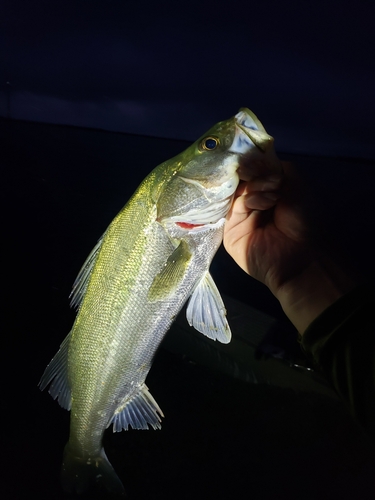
{"points": [[268, 233]]}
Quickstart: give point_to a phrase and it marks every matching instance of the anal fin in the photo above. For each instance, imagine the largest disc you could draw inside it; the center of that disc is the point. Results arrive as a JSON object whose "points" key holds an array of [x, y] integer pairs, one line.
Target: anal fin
{"points": [[137, 412]]}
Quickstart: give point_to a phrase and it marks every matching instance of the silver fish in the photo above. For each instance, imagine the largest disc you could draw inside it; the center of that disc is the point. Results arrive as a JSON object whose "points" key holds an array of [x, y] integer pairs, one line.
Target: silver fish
{"points": [[154, 255]]}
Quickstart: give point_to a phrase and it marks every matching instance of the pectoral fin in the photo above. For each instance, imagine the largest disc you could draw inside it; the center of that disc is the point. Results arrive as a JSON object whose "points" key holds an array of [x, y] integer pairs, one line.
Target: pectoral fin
{"points": [[166, 282], [206, 311]]}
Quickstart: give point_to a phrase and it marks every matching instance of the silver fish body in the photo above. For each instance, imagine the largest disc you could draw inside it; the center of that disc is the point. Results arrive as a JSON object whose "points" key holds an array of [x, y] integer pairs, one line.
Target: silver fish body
{"points": [[154, 255]]}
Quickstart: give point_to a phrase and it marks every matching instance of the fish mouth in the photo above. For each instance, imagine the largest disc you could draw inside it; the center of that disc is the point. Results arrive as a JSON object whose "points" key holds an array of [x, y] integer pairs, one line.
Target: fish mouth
{"points": [[249, 133]]}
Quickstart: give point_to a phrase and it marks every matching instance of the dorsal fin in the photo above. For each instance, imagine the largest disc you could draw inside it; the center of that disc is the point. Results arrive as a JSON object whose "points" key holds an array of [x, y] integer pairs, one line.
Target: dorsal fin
{"points": [[81, 281], [57, 373]]}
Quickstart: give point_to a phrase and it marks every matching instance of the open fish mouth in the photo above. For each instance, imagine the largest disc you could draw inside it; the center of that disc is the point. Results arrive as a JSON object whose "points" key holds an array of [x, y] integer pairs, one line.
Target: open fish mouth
{"points": [[249, 133]]}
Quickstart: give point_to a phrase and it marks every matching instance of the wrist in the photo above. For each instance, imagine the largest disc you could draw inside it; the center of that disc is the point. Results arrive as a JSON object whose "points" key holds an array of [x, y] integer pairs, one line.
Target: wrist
{"points": [[308, 294]]}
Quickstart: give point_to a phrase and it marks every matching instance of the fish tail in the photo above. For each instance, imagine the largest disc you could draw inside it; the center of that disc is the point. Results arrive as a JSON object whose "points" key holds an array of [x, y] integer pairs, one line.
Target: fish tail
{"points": [[79, 474]]}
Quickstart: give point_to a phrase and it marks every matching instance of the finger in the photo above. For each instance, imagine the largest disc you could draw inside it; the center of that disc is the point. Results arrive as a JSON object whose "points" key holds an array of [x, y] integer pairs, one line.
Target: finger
{"points": [[261, 200], [239, 206], [250, 170], [245, 204], [258, 194], [259, 164], [270, 183]]}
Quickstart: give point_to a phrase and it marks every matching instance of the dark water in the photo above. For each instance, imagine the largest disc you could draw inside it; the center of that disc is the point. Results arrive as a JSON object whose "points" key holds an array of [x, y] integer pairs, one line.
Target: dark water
{"points": [[237, 423]]}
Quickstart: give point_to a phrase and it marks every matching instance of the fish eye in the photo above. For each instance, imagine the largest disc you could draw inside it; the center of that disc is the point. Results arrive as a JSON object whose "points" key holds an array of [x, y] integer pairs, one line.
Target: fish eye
{"points": [[210, 143]]}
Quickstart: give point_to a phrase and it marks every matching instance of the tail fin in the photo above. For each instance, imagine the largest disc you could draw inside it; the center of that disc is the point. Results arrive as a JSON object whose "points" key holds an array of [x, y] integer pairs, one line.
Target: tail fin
{"points": [[79, 474]]}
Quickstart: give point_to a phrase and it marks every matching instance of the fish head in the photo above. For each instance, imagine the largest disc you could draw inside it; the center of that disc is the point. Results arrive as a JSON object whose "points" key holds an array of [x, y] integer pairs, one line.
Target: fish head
{"points": [[200, 189]]}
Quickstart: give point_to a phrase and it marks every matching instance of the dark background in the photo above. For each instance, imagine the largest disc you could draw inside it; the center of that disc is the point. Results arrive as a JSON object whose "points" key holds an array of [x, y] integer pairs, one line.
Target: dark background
{"points": [[163, 73], [172, 69], [235, 424]]}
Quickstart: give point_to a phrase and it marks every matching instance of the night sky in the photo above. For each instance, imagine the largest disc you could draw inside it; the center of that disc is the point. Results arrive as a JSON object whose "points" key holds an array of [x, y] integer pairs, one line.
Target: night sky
{"points": [[173, 69]]}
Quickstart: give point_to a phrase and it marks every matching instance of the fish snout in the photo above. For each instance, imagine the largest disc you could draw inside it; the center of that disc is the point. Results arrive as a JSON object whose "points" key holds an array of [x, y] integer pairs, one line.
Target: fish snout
{"points": [[249, 132], [255, 146]]}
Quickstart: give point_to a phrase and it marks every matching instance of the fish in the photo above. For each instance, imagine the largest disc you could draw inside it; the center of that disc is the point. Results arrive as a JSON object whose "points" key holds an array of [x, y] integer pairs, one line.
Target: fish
{"points": [[153, 257]]}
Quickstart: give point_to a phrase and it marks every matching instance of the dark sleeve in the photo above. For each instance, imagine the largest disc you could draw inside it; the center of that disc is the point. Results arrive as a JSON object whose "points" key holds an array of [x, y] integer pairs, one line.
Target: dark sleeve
{"points": [[341, 342]]}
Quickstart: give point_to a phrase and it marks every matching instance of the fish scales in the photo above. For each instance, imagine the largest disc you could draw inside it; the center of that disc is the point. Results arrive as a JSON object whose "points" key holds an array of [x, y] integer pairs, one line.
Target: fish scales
{"points": [[119, 289], [154, 255]]}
